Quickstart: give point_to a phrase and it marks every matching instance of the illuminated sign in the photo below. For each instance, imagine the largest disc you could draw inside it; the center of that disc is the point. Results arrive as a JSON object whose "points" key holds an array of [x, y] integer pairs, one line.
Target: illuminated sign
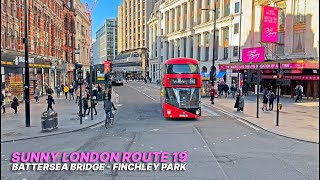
{"points": [[183, 81]]}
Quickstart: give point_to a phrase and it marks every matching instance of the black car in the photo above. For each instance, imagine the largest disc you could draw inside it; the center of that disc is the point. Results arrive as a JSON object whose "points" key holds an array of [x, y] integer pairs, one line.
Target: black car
{"points": [[117, 81]]}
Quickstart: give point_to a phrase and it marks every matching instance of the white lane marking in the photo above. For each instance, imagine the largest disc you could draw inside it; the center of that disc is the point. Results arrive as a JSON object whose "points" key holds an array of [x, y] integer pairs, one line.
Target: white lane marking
{"points": [[119, 105], [248, 124], [154, 130], [142, 92], [244, 135]]}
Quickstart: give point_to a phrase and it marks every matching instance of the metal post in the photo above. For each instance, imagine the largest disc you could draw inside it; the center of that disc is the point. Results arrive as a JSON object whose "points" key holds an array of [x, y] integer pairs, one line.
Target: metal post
{"points": [[214, 43], [80, 104], [258, 90], [239, 53], [278, 98], [91, 95], [26, 64]]}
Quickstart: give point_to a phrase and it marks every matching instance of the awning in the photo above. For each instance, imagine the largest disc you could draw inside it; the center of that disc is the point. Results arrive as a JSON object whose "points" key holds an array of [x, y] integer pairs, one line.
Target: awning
{"points": [[221, 74]]}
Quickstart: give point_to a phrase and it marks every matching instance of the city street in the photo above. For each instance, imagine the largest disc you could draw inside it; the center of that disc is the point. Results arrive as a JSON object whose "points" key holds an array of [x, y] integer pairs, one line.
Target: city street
{"points": [[219, 146]]}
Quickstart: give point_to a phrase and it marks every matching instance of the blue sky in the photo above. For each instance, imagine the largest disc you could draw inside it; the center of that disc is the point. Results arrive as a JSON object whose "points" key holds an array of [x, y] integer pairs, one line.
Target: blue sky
{"points": [[104, 9]]}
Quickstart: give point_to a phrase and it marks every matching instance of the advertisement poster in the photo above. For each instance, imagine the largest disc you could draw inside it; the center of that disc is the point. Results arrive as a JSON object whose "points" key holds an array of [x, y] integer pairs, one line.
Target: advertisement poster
{"points": [[253, 54], [106, 66], [269, 31]]}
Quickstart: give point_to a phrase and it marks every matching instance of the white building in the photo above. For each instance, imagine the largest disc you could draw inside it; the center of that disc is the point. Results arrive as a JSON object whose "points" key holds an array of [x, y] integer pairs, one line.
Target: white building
{"points": [[182, 29]]}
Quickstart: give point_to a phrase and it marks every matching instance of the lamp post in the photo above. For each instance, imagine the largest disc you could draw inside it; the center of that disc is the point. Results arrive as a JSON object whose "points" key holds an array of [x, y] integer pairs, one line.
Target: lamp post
{"points": [[26, 64], [239, 53], [213, 76]]}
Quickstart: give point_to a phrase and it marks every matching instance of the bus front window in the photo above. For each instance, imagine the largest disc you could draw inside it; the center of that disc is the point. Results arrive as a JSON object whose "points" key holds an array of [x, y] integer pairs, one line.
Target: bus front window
{"points": [[183, 97]]}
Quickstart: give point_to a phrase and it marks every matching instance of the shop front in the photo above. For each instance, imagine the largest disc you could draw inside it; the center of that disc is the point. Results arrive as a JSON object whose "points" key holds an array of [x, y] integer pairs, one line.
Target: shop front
{"points": [[303, 72], [13, 72]]}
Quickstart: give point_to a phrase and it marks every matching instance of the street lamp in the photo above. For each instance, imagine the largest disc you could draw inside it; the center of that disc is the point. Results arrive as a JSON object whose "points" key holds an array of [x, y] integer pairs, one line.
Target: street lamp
{"points": [[213, 76], [26, 64]]}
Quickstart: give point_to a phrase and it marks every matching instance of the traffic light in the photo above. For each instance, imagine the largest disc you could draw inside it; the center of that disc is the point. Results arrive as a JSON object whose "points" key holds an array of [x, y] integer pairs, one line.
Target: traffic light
{"points": [[245, 76], [80, 76], [78, 66]]}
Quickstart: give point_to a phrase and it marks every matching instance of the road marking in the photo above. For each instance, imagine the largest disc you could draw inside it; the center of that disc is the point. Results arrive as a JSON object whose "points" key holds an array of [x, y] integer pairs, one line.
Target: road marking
{"points": [[119, 105], [154, 130], [142, 92], [248, 124]]}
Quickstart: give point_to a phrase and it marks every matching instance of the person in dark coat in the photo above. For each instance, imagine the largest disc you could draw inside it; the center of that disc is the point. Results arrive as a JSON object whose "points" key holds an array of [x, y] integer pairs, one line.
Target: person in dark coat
{"points": [[240, 102], [271, 99], [85, 105], [109, 93], [50, 102], [233, 90], [15, 104], [226, 89], [265, 101]]}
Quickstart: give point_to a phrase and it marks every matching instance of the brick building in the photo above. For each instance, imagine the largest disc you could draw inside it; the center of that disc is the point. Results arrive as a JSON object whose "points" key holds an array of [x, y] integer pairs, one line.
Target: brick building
{"points": [[51, 43]]}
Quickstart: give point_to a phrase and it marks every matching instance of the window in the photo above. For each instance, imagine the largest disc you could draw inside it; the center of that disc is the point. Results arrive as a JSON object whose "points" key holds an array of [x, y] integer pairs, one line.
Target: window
{"points": [[280, 46], [300, 11], [226, 7], [236, 28], [218, 10], [237, 7], [235, 51], [298, 41], [225, 53]]}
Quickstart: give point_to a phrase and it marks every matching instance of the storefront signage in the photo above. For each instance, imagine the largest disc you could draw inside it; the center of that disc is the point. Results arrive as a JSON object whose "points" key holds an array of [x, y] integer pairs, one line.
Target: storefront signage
{"points": [[262, 66], [269, 24], [22, 60], [253, 54], [295, 77], [183, 81], [287, 71]]}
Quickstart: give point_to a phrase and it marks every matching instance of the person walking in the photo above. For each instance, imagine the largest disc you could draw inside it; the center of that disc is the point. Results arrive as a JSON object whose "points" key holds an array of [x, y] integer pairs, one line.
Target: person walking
{"points": [[66, 91], [46, 88], [299, 92], [78, 94], [240, 102], [15, 104], [265, 101], [233, 90], [37, 94], [212, 94], [58, 89], [71, 91], [226, 90], [271, 99], [85, 105], [109, 93], [3, 101], [50, 101]]}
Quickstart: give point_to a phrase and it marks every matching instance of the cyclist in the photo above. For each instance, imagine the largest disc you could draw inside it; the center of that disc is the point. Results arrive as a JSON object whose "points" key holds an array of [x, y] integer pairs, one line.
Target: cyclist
{"points": [[108, 105]]}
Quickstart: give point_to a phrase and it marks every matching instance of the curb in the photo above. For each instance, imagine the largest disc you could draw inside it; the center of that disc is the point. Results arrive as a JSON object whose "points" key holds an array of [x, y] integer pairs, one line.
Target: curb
{"points": [[75, 130], [231, 114]]}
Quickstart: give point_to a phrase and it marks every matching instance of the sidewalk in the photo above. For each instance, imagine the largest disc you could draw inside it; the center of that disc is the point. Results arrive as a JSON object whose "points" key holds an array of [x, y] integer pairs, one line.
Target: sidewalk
{"points": [[296, 120], [13, 126]]}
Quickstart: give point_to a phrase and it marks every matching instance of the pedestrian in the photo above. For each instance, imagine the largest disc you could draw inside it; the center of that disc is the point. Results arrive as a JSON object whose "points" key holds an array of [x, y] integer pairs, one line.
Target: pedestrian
{"points": [[3, 101], [58, 89], [212, 94], [78, 94], [271, 99], [71, 91], [93, 105], [220, 89], [50, 101], [66, 91], [15, 104], [233, 90], [236, 105], [240, 102], [226, 90], [85, 105], [109, 93], [37, 94], [299, 92], [265, 102]]}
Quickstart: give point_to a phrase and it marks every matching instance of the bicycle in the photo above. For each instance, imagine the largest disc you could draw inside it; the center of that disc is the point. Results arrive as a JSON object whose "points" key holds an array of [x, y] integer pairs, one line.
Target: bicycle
{"points": [[109, 119]]}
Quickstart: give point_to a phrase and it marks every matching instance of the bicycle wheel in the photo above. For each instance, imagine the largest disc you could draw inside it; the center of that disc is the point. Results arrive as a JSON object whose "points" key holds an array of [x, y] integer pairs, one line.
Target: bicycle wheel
{"points": [[112, 119], [106, 122]]}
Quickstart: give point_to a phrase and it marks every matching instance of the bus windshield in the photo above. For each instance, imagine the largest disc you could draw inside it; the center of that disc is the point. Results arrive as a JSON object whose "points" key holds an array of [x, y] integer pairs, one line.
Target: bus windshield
{"points": [[182, 69], [183, 97]]}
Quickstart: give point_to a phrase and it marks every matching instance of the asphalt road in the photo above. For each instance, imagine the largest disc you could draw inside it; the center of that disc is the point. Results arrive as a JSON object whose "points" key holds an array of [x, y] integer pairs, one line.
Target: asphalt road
{"points": [[218, 146]]}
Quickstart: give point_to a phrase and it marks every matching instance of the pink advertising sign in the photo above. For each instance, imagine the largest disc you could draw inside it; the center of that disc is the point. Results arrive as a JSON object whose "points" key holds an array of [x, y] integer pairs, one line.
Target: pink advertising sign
{"points": [[269, 24], [253, 54]]}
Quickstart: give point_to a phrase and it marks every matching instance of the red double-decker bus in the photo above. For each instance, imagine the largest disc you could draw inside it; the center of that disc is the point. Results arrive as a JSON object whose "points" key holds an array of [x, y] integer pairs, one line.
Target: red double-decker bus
{"points": [[181, 88]]}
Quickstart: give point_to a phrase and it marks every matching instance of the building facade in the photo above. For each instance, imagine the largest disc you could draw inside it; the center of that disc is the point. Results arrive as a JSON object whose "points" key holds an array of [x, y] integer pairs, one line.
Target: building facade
{"points": [[48, 52], [133, 31], [106, 44], [82, 36]]}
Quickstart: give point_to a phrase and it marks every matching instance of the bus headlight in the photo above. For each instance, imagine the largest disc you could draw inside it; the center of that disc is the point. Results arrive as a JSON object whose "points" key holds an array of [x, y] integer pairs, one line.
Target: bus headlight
{"points": [[169, 111], [197, 111]]}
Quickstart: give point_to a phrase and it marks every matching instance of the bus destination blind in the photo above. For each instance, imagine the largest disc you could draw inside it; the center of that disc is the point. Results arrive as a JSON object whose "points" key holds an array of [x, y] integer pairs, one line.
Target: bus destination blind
{"points": [[183, 81]]}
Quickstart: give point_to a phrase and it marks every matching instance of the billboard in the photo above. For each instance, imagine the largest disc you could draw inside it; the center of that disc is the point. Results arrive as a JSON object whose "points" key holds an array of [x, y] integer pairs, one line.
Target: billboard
{"points": [[269, 31], [255, 54], [106, 66]]}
